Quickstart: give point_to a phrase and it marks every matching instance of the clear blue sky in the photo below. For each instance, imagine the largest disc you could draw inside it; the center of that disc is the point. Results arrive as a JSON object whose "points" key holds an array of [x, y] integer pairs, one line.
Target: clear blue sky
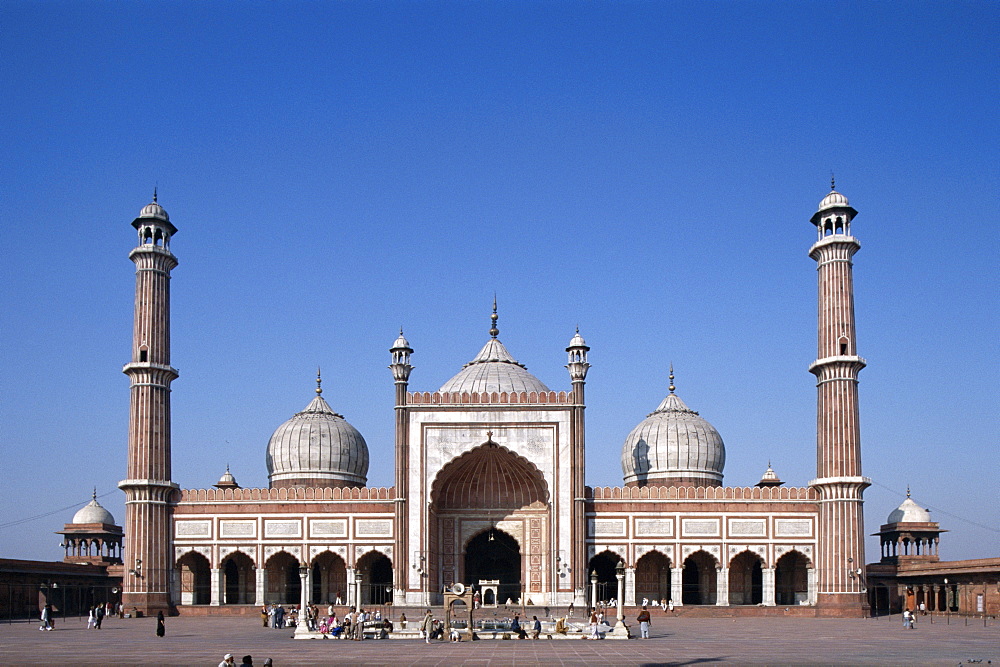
{"points": [[643, 170]]}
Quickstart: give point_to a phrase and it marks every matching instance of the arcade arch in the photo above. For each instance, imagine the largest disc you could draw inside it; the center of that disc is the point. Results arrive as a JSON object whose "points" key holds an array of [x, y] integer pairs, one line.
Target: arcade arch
{"points": [[376, 577], [195, 578], [239, 579], [746, 579], [495, 555], [283, 583], [329, 579], [652, 577], [699, 579], [604, 565], [791, 579]]}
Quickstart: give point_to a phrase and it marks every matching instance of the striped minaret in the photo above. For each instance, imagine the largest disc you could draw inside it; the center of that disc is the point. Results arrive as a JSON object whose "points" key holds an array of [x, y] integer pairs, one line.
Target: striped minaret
{"points": [[148, 551], [840, 558]]}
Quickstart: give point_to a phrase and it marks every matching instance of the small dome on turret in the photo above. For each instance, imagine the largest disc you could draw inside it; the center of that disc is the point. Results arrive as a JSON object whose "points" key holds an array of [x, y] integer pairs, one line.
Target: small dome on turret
{"points": [[227, 481], [577, 340], [400, 343], [93, 512], [769, 478], [833, 199], [909, 512], [154, 210]]}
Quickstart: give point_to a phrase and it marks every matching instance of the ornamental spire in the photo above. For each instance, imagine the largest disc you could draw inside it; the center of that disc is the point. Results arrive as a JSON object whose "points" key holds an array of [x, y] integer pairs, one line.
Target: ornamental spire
{"points": [[319, 382], [671, 376], [494, 332]]}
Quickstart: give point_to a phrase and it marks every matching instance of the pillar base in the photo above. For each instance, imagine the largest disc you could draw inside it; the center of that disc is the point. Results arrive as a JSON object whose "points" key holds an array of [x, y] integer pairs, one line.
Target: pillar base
{"points": [[148, 604], [842, 605]]}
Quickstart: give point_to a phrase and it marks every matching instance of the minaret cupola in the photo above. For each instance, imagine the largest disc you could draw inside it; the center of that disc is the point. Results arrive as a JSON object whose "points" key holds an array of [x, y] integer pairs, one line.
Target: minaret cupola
{"points": [[834, 214], [577, 352], [401, 352], [154, 226]]}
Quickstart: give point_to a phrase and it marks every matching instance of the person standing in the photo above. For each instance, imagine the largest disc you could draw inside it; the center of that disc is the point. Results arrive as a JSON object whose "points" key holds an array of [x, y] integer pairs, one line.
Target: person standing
{"points": [[643, 619], [98, 616], [161, 629], [91, 619], [907, 619], [402, 620], [427, 625], [263, 615], [593, 624]]}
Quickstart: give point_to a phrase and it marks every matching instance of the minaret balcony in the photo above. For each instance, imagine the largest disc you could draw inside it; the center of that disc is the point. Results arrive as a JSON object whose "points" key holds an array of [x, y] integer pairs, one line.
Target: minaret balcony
{"points": [[850, 361]]}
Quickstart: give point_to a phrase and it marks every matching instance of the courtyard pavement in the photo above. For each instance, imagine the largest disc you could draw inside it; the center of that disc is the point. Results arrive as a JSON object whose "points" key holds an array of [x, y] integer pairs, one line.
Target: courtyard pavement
{"points": [[674, 641]]}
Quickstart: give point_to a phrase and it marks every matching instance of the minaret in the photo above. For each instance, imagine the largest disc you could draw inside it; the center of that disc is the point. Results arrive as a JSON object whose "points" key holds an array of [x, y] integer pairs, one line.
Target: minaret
{"points": [[401, 369], [148, 544], [578, 366], [840, 558]]}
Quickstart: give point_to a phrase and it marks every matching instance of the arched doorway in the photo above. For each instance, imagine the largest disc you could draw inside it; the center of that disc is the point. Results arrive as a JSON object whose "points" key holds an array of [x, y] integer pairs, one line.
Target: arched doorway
{"points": [[329, 579], [699, 579], [376, 578], [746, 579], [283, 583], [239, 582], [493, 554], [652, 578], [791, 579], [471, 497], [604, 565], [195, 578]]}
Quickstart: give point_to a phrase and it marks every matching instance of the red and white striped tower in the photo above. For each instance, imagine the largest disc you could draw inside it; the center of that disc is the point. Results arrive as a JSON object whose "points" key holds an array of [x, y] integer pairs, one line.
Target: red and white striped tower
{"points": [[840, 558], [148, 543]]}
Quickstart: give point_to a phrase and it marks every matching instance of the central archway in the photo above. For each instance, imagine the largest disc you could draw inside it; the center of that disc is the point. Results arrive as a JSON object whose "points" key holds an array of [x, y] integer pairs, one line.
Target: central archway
{"points": [[493, 554]]}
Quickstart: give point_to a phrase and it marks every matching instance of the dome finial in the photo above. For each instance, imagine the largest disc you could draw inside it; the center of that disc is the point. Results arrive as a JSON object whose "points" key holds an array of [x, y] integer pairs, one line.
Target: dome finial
{"points": [[94, 495], [494, 332], [319, 382], [672, 387], [907, 490], [833, 182]]}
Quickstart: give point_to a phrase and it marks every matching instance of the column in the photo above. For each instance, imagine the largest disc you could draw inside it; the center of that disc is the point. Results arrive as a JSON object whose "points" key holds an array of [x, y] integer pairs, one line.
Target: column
{"points": [[351, 589], [722, 586], [216, 586], [261, 586], [768, 585], [677, 586], [630, 585], [811, 584]]}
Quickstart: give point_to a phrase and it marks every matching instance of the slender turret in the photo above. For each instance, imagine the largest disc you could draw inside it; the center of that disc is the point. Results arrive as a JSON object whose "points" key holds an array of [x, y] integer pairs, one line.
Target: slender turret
{"points": [[148, 544], [401, 369], [578, 366], [841, 554]]}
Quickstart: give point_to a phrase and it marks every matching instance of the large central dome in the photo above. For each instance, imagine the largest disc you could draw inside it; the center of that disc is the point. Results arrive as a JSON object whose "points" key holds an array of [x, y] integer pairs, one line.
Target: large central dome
{"points": [[494, 369]]}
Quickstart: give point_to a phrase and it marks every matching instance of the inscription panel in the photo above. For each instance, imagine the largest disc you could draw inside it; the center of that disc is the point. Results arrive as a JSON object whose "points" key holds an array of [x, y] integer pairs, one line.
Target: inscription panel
{"points": [[607, 527], [700, 527], [655, 527], [193, 529], [748, 527], [373, 527], [328, 528], [238, 528], [282, 529], [793, 527]]}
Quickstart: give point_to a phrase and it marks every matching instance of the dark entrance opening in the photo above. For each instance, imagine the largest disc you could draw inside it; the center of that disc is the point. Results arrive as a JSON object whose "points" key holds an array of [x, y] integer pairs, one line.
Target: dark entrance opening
{"points": [[493, 554]]}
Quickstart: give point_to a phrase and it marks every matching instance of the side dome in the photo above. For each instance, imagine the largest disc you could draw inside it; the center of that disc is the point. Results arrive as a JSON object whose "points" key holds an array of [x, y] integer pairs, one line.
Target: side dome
{"points": [[673, 446], [93, 512], [909, 512], [317, 447]]}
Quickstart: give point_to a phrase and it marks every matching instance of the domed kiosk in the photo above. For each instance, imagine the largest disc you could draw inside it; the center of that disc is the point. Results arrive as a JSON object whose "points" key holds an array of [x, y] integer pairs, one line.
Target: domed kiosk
{"points": [[92, 537], [317, 447], [673, 446]]}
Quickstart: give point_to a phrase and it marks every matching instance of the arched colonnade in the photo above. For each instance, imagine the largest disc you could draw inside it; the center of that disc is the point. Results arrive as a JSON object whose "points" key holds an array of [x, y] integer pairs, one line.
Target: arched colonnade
{"points": [[702, 580], [238, 581]]}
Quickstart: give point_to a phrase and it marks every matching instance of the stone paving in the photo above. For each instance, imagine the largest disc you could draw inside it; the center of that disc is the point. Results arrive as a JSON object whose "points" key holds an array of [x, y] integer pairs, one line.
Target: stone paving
{"points": [[675, 641]]}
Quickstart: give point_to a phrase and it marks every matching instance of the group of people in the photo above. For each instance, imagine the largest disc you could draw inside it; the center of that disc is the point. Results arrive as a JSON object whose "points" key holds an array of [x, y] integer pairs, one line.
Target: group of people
{"points": [[277, 617], [97, 614], [909, 619], [229, 661]]}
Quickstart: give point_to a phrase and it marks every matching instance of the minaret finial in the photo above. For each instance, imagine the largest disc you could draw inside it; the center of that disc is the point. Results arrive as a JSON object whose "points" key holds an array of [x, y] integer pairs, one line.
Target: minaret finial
{"points": [[833, 182], [319, 382], [154, 194], [494, 332], [672, 387]]}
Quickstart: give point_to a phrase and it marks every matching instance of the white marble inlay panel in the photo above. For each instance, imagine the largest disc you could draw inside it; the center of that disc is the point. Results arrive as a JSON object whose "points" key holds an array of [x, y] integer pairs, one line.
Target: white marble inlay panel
{"points": [[328, 528], [193, 529], [607, 527], [238, 528], [700, 527], [282, 529], [656, 527], [748, 527], [367, 527], [793, 527]]}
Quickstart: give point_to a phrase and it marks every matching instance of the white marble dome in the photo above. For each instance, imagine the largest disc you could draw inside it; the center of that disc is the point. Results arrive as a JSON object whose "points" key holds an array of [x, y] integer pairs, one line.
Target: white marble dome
{"points": [[317, 447], [909, 512], [154, 210], [674, 445], [493, 369], [93, 512], [833, 200]]}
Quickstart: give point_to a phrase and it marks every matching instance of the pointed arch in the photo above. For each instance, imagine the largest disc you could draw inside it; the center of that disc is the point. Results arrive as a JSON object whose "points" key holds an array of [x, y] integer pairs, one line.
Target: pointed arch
{"points": [[489, 476], [791, 578], [329, 578], [195, 576], [700, 578], [746, 578], [652, 577]]}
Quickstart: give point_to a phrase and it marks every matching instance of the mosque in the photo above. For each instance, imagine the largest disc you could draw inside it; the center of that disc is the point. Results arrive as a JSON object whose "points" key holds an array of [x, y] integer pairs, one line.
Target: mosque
{"points": [[489, 485]]}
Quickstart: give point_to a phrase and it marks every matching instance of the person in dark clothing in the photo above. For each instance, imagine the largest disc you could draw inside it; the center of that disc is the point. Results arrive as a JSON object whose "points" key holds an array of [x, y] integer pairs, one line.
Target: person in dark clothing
{"points": [[160, 628], [515, 628], [247, 661], [98, 616]]}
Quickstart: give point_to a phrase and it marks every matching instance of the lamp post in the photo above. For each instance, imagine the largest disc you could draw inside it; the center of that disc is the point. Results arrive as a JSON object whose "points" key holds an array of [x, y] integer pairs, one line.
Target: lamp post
{"points": [[301, 627], [620, 575], [358, 576], [593, 589]]}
